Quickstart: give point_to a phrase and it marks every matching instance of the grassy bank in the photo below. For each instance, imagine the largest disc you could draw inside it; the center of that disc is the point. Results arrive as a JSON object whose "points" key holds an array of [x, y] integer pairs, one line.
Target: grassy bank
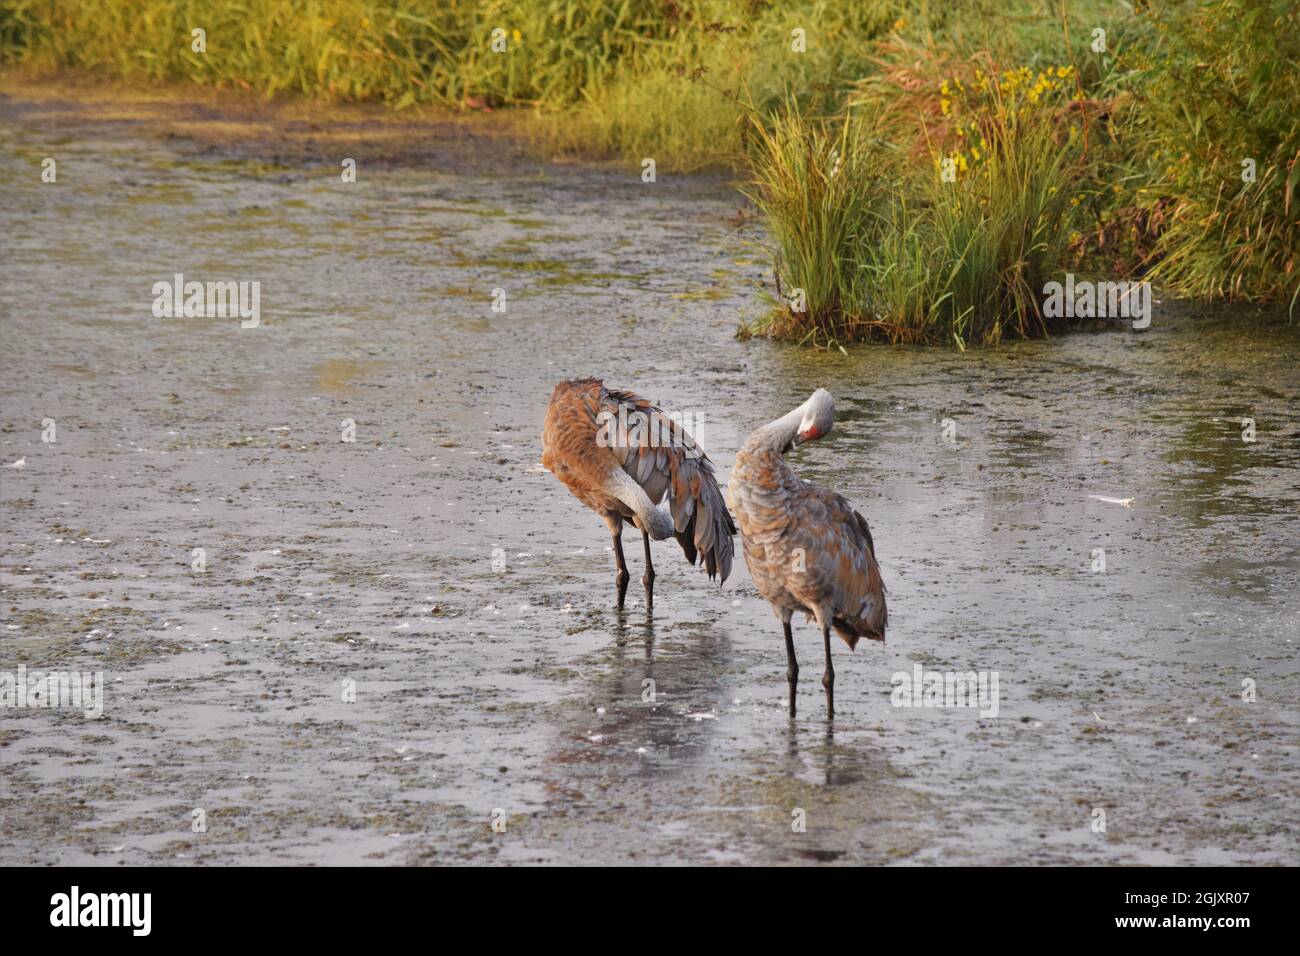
{"points": [[925, 169], [628, 77]]}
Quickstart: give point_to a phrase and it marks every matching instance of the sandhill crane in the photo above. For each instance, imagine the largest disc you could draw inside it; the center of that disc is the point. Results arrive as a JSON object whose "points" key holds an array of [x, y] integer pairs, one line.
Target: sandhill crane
{"points": [[806, 548], [620, 455]]}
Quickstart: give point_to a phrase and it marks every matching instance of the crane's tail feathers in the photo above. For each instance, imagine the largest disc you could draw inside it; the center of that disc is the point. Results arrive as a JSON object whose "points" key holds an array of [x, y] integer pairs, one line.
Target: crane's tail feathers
{"points": [[703, 525], [699, 517], [852, 633]]}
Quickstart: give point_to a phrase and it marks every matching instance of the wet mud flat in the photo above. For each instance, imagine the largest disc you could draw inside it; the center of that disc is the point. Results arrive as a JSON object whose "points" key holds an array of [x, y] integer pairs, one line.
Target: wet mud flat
{"points": [[399, 640]]}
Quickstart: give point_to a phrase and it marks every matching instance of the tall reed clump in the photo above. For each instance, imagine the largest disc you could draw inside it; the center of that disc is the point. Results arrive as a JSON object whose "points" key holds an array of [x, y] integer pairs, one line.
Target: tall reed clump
{"points": [[826, 194], [1220, 109], [1000, 229], [948, 238]]}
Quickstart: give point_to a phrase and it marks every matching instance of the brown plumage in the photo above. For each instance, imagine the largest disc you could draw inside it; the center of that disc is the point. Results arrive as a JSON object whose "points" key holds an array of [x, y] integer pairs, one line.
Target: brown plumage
{"points": [[620, 455], [807, 549]]}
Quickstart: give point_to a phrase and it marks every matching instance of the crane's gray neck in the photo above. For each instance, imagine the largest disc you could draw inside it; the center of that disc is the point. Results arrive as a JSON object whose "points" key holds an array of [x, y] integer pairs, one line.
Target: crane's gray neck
{"points": [[778, 435]]}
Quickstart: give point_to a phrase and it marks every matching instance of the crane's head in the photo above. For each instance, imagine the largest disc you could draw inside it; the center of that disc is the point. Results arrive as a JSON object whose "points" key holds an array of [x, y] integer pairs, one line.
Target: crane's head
{"points": [[818, 417]]}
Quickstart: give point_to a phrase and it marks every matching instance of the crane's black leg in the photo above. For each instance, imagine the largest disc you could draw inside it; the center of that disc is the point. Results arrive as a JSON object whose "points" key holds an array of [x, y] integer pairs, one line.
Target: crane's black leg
{"points": [[649, 579], [620, 576], [828, 677], [791, 665]]}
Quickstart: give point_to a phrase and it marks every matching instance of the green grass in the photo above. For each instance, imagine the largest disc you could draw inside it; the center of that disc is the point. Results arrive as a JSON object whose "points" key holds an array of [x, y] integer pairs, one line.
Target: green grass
{"points": [[400, 53], [1223, 87]]}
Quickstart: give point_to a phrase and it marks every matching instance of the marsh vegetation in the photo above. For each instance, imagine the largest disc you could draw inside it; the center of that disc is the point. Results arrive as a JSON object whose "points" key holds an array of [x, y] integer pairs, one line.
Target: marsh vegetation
{"points": [[924, 169]]}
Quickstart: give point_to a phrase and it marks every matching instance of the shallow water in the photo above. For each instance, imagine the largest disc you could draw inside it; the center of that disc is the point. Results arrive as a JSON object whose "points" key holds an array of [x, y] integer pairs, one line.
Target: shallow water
{"points": [[517, 692]]}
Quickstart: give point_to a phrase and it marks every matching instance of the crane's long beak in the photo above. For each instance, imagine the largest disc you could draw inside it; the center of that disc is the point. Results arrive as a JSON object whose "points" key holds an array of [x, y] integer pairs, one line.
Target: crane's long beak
{"points": [[801, 438]]}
